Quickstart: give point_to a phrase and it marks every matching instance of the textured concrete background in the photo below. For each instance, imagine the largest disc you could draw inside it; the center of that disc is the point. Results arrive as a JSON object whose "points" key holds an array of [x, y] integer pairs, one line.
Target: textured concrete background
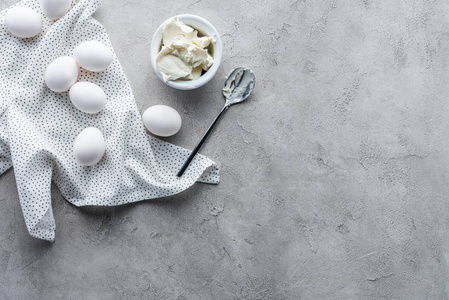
{"points": [[334, 175]]}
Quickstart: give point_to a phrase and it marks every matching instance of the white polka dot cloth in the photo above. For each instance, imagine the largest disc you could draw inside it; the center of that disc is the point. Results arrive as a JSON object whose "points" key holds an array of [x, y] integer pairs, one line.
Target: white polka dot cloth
{"points": [[38, 128]]}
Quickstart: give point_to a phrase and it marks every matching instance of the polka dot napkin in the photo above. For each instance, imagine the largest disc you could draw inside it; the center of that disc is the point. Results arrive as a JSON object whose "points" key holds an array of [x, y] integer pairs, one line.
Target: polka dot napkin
{"points": [[38, 128]]}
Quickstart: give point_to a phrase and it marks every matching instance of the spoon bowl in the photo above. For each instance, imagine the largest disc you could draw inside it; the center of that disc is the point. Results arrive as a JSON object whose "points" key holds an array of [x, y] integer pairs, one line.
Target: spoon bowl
{"points": [[238, 85]]}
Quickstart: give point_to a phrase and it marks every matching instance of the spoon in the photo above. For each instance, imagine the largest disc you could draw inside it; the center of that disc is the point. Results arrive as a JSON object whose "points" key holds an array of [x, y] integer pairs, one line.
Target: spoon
{"points": [[237, 87]]}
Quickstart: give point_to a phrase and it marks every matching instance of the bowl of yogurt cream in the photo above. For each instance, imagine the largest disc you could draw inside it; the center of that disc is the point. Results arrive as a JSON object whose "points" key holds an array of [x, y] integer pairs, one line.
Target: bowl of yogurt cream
{"points": [[186, 52]]}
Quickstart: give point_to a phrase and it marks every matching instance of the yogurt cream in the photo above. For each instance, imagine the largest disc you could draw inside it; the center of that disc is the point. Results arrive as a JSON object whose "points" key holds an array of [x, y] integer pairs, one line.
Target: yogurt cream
{"points": [[183, 55]]}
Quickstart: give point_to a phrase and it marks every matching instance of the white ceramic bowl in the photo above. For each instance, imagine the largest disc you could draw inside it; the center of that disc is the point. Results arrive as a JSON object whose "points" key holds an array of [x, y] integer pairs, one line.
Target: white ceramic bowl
{"points": [[204, 28]]}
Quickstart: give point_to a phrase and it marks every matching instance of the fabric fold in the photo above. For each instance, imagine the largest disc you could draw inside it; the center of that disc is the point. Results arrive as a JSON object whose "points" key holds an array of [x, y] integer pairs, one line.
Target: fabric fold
{"points": [[5, 154], [5, 157], [38, 128]]}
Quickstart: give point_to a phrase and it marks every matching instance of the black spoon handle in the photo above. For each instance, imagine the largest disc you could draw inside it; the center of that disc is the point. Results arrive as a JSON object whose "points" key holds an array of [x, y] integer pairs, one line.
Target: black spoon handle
{"points": [[197, 148]]}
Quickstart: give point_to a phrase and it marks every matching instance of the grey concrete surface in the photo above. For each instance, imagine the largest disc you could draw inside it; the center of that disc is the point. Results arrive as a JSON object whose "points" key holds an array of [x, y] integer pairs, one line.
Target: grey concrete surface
{"points": [[334, 176]]}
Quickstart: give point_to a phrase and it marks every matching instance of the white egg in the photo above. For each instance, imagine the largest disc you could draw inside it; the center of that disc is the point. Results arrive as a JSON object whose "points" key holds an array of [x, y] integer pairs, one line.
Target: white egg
{"points": [[23, 22], [93, 56], [87, 97], [89, 146], [162, 120], [54, 9], [61, 74]]}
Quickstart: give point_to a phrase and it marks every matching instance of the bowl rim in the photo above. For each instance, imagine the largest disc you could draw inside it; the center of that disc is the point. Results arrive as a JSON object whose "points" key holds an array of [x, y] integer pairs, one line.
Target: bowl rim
{"points": [[218, 53]]}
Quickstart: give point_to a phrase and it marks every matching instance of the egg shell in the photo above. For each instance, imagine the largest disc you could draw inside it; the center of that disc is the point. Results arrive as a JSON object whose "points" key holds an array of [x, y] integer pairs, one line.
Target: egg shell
{"points": [[54, 9], [61, 74], [162, 120], [89, 147], [93, 56], [23, 22], [87, 97]]}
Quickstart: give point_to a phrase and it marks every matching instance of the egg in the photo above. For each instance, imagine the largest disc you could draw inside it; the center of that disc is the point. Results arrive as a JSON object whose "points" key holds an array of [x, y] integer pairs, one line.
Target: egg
{"points": [[162, 120], [61, 74], [23, 22], [93, 56], [87, 97], [54, 9], [89, 147]]}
